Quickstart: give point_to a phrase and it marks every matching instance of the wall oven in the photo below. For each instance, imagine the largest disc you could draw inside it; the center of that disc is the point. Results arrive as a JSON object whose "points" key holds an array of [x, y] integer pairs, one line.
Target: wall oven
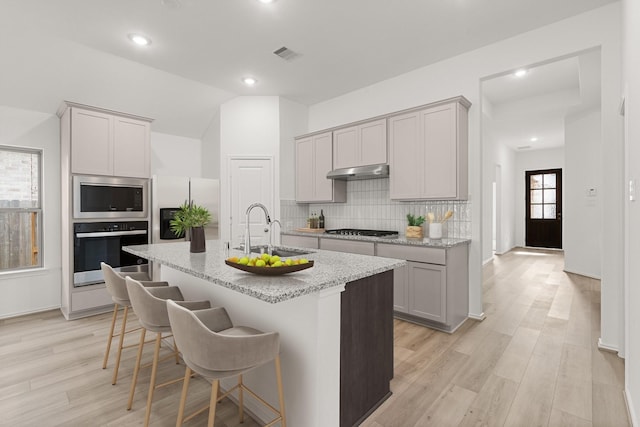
{"points": [[95, 242], [109, 197]]}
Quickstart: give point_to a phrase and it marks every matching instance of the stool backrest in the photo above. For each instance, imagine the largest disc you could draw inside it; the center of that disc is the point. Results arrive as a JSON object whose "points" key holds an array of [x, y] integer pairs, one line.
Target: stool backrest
{"points": [[115, 284], [151, 309], [207, 339]]}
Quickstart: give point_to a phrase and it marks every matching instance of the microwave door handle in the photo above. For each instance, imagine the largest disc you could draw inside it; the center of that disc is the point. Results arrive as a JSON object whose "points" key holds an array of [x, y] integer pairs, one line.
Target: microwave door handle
{"points": [[110, 234]]}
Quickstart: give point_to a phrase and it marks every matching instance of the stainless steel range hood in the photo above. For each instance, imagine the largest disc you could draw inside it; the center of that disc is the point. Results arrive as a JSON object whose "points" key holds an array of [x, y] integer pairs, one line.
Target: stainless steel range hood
{"points": [[360, 172]]}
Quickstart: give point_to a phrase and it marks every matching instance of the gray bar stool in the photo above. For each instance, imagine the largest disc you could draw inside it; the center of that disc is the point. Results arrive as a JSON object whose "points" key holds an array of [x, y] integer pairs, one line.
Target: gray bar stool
{"points": [[117, 288], [150, 306], [212, 347]]}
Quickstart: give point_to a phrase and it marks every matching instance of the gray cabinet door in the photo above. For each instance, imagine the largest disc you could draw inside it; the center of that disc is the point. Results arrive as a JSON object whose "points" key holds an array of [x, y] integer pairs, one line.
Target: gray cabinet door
{"points": [[401, 289], [428, 291]]}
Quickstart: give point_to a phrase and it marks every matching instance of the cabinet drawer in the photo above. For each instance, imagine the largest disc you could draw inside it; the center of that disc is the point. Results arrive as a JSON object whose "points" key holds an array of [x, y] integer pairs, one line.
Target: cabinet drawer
{"points": [[300, 241], [349, 246], [92, 298], [413, 253]]}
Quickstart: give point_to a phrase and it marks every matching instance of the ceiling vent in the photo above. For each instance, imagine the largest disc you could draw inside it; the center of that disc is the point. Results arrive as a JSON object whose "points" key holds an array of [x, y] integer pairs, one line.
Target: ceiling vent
{"points": [[286, 53]]}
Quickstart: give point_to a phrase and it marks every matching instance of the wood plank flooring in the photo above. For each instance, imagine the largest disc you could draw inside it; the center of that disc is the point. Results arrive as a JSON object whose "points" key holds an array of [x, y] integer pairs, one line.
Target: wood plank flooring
{"points": [[532, 362]]}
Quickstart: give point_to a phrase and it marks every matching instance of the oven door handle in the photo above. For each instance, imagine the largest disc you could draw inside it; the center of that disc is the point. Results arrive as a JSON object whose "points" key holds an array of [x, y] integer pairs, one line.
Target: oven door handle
{"points": [[110, 234]]}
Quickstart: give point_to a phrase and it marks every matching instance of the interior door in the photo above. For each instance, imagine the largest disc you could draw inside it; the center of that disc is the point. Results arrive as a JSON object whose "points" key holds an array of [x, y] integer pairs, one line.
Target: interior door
{"points": [[544, 208], [252, 181]]}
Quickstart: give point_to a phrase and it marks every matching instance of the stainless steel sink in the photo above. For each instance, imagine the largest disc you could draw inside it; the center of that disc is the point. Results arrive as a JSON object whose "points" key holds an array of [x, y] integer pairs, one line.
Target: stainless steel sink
{"points": [[281, 252], [288, 252]]}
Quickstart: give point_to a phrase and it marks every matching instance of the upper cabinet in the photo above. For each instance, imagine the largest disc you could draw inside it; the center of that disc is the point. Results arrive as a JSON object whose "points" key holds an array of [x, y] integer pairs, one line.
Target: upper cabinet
{"points": [[361, 145], [108, 143], [314, 159], [428, 152]]}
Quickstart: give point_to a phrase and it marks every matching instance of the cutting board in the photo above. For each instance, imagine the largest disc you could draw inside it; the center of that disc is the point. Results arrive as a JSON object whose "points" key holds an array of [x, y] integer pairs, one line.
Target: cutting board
{"points": [[311, 230]]}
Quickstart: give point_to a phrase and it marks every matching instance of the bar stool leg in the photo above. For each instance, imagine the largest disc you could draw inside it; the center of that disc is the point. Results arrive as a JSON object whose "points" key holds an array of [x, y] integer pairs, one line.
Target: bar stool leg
{"points": [[136, 369], [240, 399], [152, 384], [280, 391], [183, 396], [213, 402], [113, 325], [120, 345]]}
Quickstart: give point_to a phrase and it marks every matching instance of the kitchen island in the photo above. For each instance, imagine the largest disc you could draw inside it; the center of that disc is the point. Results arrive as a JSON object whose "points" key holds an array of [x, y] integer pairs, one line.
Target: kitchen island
{"points": [[334, 319]]}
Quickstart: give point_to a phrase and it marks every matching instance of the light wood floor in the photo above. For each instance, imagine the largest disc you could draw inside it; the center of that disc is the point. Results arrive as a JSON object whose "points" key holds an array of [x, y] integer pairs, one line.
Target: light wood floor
{"points": [[532, 362]]}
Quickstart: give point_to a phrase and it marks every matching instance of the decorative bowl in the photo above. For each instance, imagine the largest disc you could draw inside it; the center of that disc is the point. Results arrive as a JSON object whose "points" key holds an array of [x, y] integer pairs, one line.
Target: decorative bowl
{"points": [[270, 271]]}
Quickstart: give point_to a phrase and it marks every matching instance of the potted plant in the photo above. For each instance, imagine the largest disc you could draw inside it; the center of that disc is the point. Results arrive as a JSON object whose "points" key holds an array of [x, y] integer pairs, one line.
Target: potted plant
{"points": [[189, 221], [414, 229]]}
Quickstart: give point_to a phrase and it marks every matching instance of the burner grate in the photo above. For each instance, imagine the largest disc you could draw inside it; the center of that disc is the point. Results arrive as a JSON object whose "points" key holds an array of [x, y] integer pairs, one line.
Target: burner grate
{"points": [[359, 232]]}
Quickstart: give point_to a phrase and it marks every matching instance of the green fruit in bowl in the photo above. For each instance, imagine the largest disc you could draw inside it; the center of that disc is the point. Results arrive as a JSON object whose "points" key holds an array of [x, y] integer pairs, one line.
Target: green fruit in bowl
{"points": [[244, 260], [277, 264], [265, 257], [274, 259], [260, 263], [288, 262], [303, 261]]}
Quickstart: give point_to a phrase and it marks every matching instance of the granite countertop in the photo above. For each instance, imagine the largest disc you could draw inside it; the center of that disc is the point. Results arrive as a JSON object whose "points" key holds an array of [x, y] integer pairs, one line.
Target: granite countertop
{"points": [[398, 240], [330, 269]]}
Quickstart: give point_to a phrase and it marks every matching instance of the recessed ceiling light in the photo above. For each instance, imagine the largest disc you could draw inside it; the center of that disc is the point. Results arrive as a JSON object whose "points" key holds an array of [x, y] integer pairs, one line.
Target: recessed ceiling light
{"points": [[139, 39], [249, 81], [520, 73], [533, 139], [266, 1]]}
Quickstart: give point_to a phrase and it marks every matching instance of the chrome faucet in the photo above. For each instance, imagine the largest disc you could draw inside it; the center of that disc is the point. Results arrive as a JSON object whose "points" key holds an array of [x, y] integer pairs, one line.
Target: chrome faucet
{"points": [[271, 233], [247, 232]]}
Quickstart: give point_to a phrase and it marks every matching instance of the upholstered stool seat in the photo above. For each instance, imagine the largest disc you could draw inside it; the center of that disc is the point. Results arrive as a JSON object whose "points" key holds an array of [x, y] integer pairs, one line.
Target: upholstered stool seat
{"points": [[214, 348]]}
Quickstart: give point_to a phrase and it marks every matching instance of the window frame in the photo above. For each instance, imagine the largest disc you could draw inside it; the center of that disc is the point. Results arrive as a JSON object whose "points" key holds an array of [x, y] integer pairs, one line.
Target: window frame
{"points": [[39, 241]]}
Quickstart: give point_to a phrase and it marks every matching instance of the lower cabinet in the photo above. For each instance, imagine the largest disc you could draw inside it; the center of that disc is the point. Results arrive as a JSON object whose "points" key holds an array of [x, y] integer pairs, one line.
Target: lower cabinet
{"points": [[427, 289], [433, 288], [299, 241]]}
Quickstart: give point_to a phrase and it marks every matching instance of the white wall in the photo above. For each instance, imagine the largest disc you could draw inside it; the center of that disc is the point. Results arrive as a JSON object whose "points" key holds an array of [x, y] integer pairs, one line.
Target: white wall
{"points": [[462, 75], [497, 156], [211, 149], [526, 161], [582, 212], [36, 290], [631, 85], [175, 155], [249, 126], [293, 122], [505, 157]]}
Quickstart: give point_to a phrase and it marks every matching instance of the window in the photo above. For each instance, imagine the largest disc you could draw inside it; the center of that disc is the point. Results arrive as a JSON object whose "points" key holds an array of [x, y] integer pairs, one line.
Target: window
{"points": [[543, 196], [20, 208]]}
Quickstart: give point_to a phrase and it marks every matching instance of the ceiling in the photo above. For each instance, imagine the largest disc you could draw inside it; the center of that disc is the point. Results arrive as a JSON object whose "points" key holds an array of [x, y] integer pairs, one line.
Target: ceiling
{"points": [[536, 104], [78, 50]]}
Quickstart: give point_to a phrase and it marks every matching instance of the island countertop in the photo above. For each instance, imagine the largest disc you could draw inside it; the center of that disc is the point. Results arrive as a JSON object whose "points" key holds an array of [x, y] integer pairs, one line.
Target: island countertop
{"points": [[330, 269]]}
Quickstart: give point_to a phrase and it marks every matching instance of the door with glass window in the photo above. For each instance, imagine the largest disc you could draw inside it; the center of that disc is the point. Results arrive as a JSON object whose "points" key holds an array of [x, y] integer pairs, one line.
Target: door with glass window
{"points": [[544, 208]]}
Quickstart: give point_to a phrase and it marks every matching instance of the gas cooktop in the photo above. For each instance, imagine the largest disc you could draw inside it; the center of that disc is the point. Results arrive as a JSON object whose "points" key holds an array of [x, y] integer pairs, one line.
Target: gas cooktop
{"points": [[358, 232]]}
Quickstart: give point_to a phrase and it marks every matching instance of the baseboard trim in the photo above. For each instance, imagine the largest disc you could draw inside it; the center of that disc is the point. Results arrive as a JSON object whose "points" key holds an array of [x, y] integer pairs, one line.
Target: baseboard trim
{"points": [[607, 347], [25, 313], [480, 317], [487, 261], [629, 404], [582, 274]]}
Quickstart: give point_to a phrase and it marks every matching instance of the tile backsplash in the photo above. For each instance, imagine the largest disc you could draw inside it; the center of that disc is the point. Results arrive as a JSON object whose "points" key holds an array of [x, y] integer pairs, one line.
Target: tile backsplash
{"points": [[368, 206]]}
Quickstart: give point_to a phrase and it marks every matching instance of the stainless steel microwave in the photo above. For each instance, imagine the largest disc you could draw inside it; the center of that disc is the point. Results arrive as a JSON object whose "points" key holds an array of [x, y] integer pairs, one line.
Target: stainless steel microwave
{"points": [[110, 197]]}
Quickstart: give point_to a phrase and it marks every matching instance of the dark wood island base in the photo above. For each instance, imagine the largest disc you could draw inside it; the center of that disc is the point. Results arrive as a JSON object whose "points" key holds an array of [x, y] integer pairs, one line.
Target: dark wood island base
{"points": [[366, 346]]}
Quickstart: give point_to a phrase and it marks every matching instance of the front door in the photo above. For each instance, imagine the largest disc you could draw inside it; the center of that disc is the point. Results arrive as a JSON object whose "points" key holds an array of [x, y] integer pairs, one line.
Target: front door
{"points": [[544, 208], [252, 181]]}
